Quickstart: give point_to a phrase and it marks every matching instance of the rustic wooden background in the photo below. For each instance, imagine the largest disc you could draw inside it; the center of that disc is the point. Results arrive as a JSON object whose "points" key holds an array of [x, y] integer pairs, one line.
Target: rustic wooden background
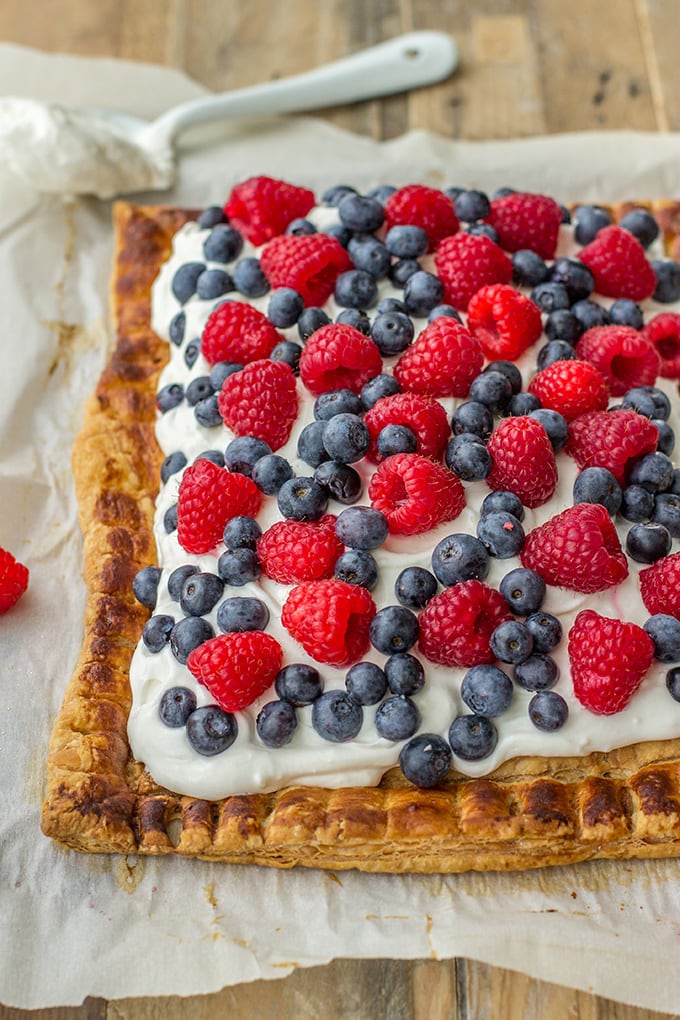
{"points": [[527, 67]]}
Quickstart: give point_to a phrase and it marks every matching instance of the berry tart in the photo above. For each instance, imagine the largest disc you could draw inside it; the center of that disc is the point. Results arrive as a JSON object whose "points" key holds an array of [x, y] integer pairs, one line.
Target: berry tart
{"points": [[381, 528]]}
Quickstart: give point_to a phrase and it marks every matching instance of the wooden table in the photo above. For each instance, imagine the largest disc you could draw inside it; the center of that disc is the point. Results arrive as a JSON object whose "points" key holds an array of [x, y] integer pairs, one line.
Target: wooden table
{"points": [[527, 67]]}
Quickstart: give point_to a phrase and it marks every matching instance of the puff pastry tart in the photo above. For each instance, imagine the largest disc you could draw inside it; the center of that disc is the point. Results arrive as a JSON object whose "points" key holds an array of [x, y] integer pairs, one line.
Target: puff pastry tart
{"points": [[380, 526]]}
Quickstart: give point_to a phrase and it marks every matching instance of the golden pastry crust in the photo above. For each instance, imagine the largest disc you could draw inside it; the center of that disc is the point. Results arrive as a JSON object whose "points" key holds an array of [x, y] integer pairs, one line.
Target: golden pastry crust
{"points": [[530, 812]]}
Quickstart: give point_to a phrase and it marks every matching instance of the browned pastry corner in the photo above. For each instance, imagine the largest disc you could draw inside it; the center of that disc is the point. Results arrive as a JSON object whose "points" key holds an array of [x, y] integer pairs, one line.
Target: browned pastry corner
{"points": [[530, 812]]}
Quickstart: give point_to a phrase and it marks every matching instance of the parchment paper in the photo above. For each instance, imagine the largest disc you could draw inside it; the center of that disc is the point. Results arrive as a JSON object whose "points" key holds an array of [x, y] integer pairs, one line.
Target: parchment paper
{"points": [[76, 925]]}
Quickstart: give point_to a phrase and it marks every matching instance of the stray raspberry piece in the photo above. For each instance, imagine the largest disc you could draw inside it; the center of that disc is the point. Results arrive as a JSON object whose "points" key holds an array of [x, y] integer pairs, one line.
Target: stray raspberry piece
{"points": [[612, 440], [456, 625], [571, 387], [294, 551], [660, 586], [261, 401], [419, 412], [608, 660], [467, 262], [209, 496], [504, 321], [523, 220], [442, 362], [619, 265], [330, 619], [239, 333], [626, 357], [523, 460], [663, 331], [237, 667], [419, 206], [262, 207], [577, 549], [415, 493], [338, 357], [309, 263], [13, 580]]}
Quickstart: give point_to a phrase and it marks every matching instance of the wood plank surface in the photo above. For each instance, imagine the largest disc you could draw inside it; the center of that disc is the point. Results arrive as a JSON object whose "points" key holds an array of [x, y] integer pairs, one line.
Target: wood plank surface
{"points": [[527, 67]]}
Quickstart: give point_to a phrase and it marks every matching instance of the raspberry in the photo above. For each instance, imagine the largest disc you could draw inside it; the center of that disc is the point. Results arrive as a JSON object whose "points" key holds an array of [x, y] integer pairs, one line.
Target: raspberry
{"points": [[238, 332], [415, 493], [505, 321], [309, 263], [523, 220], [330, 619], [571, 387], [209, 496], [663, 331], [419, 412], [467, 262], [13, 580], [293, 551], [456, 625], [523, 460], [625, 356], [419, 206], [608, 661], [262, 207], [260, 401], [237, 667], [619, 265], [660, 586], [611, 439], [338, 357], [577, 549], [442, 362]]}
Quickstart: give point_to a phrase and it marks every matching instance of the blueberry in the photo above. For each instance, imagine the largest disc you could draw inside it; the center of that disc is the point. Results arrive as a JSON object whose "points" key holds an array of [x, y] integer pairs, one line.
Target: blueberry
{"points": [[191, 352], [393, 629], [200, 593], [554, 423], [176, 705], [537, 673], [355, 288], [637, 503], [675, 484], [401, 271], [492, 389], [249, 278], [405, 674], [176, 328], [642, 225], [310, 447], [486, 690], [548, 711], [459, 557], [170, 519], [472, 737], [459, 440], [341, 481], [512, 642], [156, 632], [673, 682], [300, 227], [653, 471], [528, 268], [376, 388], [394, 439], [207, 411], [242, 613], [664, 631], [356, 318], [406, 242], [469, 461], [341, 233], [211, 730], [472, 416], [381, 192], [336, 716], [221, 370], [310, 320], [343, 401], [270, 472], [361, 527], [423, 291], [667, 512], [522, 403], [366, 683], [554, 350], [213, 283], [357, 566], [414, 587], [589, 314], [574, 276], [648, 400], [481, 229], [288, 352], [500, 499], [211, 216], [392, 332], [183, 284], [666, 441], [214, 456], [471, 205], [397, 718], [187, 634], [276, 723], [169, 396], [647, 543], [501, 533], [335, 194], [285, 307], [667, 273], [223, 244], [243, 452], [298, 683], [237, 567], [624, 312], [546, 630], [302, 499], [425, 760], [346, 438], [361, 213], [509, 370], [598, 485], [590, 219], [444, 311], [562, 324], [550, 296], [178, 577], [369, 254], [198, 389], [524, 590], [145, 586]]}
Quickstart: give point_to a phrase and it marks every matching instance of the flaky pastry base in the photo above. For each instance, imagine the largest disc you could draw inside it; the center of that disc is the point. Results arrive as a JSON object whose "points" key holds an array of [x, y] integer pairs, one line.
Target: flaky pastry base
{"points": [[531, 812]]}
